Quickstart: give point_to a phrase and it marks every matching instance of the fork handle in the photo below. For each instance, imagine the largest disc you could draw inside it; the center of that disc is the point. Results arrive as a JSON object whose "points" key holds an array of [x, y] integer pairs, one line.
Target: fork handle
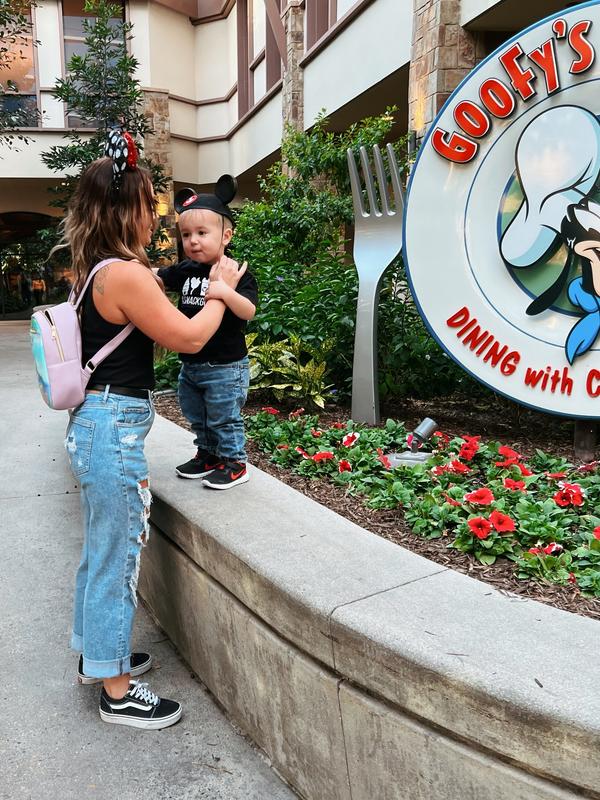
{"points": [[365, 389]]}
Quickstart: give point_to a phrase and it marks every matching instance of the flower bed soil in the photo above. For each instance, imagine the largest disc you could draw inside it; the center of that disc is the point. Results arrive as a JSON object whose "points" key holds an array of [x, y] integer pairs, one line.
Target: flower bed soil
{"points": [[521, 428]]}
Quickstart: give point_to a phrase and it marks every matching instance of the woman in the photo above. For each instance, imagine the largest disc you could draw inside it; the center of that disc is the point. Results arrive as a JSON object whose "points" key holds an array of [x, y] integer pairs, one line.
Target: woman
{"points": [[111, 217]]}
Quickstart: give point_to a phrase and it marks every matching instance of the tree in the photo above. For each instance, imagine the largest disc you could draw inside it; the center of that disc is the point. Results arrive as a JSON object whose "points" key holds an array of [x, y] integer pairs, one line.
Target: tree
{"points": [[15, 26], [101, 90]]}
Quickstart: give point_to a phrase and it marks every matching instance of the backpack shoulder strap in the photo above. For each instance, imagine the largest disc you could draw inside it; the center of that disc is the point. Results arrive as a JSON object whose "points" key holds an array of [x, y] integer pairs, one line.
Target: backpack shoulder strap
{"points": [[74, 299], [112, 345]]}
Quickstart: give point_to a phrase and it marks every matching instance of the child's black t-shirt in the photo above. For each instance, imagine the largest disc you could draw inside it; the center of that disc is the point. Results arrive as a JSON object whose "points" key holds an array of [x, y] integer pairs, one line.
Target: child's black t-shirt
{"points": [[190, 279]]}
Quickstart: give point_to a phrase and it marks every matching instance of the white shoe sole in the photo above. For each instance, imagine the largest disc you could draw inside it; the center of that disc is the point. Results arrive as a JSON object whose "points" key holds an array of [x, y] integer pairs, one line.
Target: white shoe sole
{"points": [[144, 724], [193, 477], [87, 680], [244, 479]]}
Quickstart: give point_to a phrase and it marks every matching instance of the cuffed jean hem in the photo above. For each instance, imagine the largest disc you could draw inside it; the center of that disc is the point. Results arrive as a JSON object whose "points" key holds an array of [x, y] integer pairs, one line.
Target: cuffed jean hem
{"points": [[106, 669]]}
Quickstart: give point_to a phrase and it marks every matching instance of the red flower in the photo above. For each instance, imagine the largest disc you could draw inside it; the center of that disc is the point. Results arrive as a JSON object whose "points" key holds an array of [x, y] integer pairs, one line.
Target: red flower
{"points": [[269, 410], [482, 497], [516, 486], [383, 459], [283, 447], [297, 413], [501, 522], [596, 532], [509, 462], [591, 467], [471, 439], [525, 472], [468, 450], [451, 500], [325, 455], [344, 466], [338, 426], [302, 452], [552, 549], [562, 498], [444, 439], [536, 551], [458, 467], [410, 439], [316, 433], [440, 469], [556, 475], [350, 438], [572, 578], [569, 495], [508, 452], [480, 527]]}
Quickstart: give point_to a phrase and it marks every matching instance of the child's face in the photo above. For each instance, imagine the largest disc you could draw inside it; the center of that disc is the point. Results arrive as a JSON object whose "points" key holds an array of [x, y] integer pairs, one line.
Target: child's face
{"points": [[204, 234]]}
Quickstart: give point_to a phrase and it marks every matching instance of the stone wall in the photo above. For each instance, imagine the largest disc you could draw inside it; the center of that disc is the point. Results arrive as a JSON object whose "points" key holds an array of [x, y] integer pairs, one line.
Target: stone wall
{"points": [[157, 148], [443, 53], [293, 79]]}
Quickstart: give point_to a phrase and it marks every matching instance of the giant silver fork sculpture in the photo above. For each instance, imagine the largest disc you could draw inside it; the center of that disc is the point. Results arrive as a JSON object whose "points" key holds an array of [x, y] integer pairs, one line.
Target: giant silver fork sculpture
{"points": [[377, 241]]}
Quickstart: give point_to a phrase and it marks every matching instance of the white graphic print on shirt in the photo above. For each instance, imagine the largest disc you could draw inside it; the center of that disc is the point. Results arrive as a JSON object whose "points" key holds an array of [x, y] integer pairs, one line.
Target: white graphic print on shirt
{"points": [[193, 292]]}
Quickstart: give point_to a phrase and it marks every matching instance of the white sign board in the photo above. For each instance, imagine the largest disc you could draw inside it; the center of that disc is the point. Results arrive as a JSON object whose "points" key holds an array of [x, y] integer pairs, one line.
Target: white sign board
{"points": [[502, 220]]}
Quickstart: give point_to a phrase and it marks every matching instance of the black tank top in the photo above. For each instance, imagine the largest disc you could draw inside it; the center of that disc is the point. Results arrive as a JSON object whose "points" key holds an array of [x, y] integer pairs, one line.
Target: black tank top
{"points": [[131, 364]]}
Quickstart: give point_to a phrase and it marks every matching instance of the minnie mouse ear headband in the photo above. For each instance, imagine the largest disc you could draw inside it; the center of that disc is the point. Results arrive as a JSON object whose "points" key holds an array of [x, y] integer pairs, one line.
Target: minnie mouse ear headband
{"points": [[225, 191], [121, 148], [558, 162]]}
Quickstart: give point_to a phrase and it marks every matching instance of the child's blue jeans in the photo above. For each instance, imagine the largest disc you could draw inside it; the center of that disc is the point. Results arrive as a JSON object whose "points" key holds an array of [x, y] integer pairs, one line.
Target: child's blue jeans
{"points": [[105, 445], [211, 397]]}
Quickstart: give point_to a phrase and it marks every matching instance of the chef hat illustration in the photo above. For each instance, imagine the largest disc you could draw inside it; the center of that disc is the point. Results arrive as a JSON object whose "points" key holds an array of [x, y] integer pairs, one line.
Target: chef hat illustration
{"points": [[558, 163]]}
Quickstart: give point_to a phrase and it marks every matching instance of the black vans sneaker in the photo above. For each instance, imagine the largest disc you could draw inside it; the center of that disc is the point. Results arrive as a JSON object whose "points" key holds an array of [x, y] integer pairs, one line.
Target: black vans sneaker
{"points": [[198, 466], [140, 663], [227, 475], [139, 708]]}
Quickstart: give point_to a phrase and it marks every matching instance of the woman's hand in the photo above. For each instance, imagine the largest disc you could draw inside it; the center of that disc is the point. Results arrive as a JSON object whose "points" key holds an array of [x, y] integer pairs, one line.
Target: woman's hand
{"points": [[228, 271]]}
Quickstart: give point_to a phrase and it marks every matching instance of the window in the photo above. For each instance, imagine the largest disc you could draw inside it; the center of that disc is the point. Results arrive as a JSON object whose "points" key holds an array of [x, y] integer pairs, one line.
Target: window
{"points": [[19, 82], [74, 16], [259, 60]]}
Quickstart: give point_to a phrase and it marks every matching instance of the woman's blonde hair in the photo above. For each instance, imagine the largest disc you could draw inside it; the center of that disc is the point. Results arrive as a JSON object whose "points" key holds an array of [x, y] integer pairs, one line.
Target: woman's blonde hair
{"points": [[107, 222]]}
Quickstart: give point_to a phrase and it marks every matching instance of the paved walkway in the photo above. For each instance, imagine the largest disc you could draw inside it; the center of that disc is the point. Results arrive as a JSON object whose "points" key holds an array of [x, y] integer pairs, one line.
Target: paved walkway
{"points": [[52, 742]]}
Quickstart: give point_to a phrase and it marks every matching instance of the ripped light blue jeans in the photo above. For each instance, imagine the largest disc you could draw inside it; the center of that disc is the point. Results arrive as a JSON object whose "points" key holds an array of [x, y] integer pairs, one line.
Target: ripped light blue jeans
{"points": [[105, 446]]}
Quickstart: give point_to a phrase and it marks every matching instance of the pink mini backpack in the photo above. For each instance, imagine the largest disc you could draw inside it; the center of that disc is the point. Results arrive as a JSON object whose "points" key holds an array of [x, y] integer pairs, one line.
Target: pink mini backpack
{"points": [[56, 345]]}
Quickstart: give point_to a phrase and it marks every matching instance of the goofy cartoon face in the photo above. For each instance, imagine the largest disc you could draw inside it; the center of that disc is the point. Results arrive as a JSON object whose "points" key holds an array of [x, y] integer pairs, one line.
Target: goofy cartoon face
{"points": [[558, 166]]}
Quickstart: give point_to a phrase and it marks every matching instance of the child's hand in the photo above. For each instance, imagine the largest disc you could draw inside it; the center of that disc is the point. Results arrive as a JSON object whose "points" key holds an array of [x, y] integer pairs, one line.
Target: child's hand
{"points": [[217, 290], [228, 270]]}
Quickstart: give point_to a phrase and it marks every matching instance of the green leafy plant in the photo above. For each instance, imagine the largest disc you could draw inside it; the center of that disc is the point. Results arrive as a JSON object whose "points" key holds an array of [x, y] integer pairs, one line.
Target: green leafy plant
{"points": [[166, 369], [479, 497], [290, 368]]}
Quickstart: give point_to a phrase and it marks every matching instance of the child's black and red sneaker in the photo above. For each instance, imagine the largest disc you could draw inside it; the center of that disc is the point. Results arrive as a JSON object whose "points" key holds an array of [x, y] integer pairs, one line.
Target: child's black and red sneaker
{"points": [[226, 475], [200, 465]]}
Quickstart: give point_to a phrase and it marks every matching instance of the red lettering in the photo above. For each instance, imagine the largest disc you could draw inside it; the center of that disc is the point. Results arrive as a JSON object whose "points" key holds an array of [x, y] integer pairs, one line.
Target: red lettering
{"points": [[495, 353], [509, 363], [545, 58], [497, 98], [472, 119], [458, 319], [520, 79], [533, 377], [559, 27], [475, 338], [584, 50], [454, 147], [593, 375]]}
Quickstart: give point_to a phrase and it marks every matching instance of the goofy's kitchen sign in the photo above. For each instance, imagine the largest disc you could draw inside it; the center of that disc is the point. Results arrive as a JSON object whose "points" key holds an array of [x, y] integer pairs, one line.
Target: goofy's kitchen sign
{"points": [[502, 221]]}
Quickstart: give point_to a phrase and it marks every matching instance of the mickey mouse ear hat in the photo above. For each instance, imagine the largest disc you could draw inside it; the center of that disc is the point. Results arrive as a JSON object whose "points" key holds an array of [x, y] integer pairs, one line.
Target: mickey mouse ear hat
{"points": [[225, 191], [558, 163]]}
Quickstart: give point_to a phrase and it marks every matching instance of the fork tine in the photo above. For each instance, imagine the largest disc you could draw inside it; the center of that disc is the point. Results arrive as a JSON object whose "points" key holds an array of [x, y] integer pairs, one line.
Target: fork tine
{"points": [[369, 183], [396, 182], [382, 180], [357, 195]]}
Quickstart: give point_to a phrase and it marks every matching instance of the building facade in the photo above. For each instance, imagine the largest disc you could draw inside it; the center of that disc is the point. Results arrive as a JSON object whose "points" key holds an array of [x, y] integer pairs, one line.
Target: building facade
{"points": [[223, 77]]}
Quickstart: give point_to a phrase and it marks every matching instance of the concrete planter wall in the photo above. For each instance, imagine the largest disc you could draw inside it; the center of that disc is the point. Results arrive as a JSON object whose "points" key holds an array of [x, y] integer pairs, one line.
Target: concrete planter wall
{"points": [[364, 671]]}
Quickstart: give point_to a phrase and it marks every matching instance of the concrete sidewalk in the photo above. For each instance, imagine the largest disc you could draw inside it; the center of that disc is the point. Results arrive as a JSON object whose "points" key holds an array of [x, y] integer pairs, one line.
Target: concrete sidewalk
{"points": [[52, 742]]}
